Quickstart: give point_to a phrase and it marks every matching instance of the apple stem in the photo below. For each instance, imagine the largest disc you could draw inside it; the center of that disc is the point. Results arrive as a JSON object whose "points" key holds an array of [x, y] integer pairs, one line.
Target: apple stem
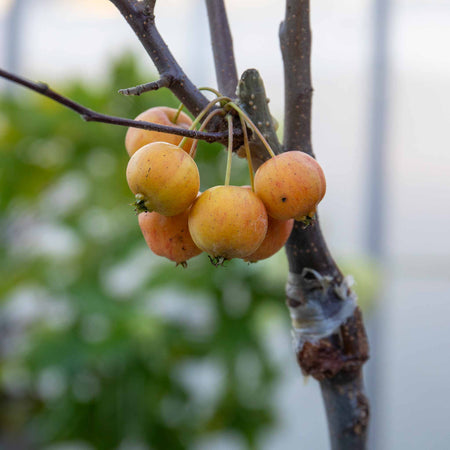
{"points": [[230, 150], [247, 151], [214, 91], [180, 108], [201, 115], [213, 113], [253, 127]]}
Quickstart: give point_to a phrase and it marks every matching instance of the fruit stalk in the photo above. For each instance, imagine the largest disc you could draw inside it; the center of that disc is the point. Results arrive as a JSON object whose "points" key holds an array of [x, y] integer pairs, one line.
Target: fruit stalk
{"points": [[248, 152], [202, 113], [253, 127], [179, 110], [230, 150], [208, 118]]}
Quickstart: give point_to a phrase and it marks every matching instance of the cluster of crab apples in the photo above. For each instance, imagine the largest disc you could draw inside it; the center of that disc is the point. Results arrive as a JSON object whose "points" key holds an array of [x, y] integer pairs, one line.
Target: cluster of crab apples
{"points": [[247, 222]]}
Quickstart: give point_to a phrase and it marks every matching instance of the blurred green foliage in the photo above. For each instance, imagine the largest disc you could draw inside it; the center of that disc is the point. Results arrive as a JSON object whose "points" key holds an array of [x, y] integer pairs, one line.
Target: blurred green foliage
{"points": [[103, 343]]}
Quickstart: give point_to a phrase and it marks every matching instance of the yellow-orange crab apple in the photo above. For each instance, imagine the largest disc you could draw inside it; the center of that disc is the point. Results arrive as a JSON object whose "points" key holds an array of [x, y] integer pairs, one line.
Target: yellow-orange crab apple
{"points": [[228, 222], [164, 178], [291, 185], [162, 115], [169, 236], [278, 232]]}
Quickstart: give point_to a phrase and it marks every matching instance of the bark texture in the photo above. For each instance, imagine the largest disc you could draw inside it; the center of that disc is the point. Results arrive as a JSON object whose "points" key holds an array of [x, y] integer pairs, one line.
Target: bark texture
{"points": [[331, 342]]}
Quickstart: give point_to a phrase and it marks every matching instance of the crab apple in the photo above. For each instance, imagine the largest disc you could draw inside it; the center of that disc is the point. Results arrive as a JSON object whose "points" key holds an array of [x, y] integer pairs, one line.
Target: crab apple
{"points": [[169, 236], [228, 222], [162, 115], [291, 185], [278, 232], [164, 178]]}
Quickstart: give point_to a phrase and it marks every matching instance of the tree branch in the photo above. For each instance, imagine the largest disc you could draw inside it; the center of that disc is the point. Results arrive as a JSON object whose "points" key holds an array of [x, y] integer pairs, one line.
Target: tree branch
{"points": [[252, 99], [331, 342], [222, 45], [92, 116], [164, 81], [295, 40], [140, 16]]}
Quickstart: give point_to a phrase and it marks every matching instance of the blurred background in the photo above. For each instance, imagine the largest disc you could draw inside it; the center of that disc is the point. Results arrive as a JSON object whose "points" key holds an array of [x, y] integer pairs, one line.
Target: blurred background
{"points": [[104, 346]]}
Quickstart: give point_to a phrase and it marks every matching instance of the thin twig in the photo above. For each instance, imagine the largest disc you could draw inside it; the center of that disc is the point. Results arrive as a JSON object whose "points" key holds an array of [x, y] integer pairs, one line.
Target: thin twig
{"points": [[92, 116], [140, 16], [164, 81], [222, 45], [316, 287]]}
